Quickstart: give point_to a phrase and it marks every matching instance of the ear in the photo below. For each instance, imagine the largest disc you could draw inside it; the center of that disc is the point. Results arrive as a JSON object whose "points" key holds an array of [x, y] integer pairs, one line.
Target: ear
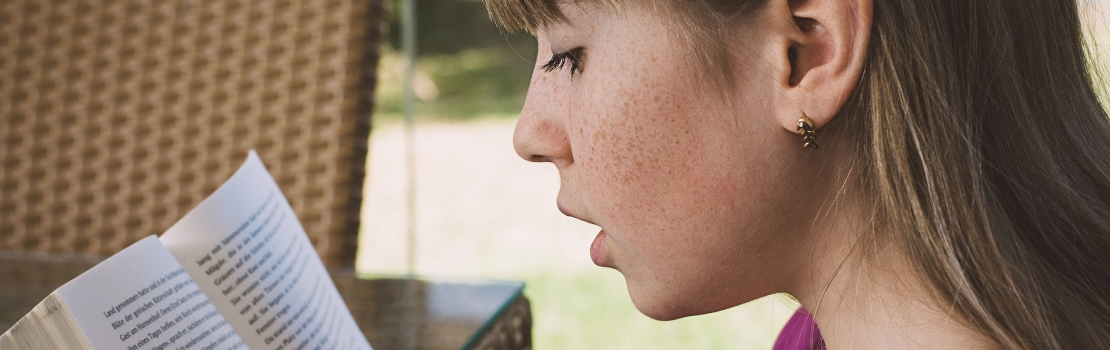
{"points": [[824, 43]]}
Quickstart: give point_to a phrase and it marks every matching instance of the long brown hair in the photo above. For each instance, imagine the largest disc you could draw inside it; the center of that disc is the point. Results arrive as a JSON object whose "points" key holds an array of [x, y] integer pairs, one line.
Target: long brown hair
{"points": [[991, 154], [981, 138]]}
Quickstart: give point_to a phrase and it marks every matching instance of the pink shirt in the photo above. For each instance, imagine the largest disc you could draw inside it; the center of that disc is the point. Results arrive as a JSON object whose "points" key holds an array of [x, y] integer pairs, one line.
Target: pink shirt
{"points": [[800, 333]]}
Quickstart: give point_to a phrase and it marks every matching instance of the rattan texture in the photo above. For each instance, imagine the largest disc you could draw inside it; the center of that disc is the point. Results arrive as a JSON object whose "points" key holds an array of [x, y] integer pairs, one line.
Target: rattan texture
{"points": [[118, 116], [513, 331]]}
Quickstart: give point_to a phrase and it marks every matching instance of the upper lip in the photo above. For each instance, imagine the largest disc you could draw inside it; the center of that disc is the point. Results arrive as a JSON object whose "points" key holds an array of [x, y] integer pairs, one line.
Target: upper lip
{"points": [[567, 212]]}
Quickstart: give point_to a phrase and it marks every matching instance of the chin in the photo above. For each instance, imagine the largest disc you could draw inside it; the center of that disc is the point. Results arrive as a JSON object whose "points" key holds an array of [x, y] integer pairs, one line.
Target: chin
{"points": [[658, 313], [664, 306]]}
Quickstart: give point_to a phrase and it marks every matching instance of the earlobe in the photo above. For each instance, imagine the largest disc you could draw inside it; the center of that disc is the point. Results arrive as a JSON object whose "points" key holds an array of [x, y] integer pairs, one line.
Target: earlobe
{"points": [[826, 47]]}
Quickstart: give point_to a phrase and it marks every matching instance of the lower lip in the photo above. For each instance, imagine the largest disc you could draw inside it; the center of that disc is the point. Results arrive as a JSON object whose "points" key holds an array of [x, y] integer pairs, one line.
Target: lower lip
{"points": [[597, 249]]}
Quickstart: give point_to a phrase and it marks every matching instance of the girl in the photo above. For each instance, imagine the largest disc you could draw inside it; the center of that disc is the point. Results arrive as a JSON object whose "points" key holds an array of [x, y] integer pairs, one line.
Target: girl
{"points": [[917, 173]]}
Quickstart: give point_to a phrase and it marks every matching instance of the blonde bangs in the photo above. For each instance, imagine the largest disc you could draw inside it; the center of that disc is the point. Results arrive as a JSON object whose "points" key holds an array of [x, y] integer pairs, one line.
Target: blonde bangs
{"points": [[528, 15], [531, 15]]}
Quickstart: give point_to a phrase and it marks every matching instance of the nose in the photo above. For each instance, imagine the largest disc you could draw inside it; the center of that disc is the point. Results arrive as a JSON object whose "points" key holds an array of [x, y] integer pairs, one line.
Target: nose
{"points": [[541, 133]]}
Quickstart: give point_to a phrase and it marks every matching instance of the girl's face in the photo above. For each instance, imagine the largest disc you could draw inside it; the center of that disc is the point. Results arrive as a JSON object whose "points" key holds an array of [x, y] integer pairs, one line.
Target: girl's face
{"points": [[695, 190]]}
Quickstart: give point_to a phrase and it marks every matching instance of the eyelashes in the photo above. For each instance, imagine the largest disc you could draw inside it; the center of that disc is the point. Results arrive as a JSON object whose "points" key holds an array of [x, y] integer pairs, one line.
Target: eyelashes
{"points": [[559, 60]]}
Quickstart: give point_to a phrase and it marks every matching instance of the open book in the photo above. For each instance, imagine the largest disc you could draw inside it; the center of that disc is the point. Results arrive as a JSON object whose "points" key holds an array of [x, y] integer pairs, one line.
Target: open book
{"points": [[237, 272]]}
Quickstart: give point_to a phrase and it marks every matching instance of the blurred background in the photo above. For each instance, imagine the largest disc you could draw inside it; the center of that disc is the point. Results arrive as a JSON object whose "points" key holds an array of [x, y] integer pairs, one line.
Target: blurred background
{"points": [[483, 212]]}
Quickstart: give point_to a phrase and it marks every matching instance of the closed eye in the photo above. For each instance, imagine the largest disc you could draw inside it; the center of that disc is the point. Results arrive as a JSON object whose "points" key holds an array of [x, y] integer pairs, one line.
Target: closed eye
{"points": [[559, 60]]}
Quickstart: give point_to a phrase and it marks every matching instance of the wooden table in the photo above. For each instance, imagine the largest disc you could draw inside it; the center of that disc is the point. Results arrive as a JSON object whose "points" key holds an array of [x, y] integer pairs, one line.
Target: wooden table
{"points": [[393, 312]]}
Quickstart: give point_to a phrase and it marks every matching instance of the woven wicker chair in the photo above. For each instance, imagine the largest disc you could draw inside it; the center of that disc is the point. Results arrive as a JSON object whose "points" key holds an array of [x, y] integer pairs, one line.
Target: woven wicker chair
{"points": [[118, 116]]}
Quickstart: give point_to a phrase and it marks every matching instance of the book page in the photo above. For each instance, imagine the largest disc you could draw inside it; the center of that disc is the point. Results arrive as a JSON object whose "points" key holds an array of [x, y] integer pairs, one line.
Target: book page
{"points": [[248, 252], [48, 326], [141, 298]]}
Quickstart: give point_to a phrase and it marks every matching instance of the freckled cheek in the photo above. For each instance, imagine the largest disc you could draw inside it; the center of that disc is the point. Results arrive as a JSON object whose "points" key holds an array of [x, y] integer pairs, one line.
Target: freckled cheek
{"points": [[636, 157]]}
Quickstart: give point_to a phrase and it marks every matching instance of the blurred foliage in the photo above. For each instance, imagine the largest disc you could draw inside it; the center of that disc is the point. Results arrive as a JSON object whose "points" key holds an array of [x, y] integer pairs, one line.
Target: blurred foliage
{"points": [[451, 26], [468, 84], [466, 66]]}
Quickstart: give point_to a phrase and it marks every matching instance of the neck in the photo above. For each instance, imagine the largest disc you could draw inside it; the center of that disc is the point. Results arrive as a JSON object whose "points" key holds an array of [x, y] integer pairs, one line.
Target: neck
{"points": [[872, 298]]}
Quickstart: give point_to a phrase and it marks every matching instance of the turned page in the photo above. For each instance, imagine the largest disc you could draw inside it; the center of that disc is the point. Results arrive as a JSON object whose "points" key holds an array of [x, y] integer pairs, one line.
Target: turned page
{"points": [[141, 298], [248, 252]]}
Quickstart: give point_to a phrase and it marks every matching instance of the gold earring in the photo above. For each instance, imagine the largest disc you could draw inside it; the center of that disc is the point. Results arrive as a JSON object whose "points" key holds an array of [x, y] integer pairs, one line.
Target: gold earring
{"points": [[808, 136]]}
